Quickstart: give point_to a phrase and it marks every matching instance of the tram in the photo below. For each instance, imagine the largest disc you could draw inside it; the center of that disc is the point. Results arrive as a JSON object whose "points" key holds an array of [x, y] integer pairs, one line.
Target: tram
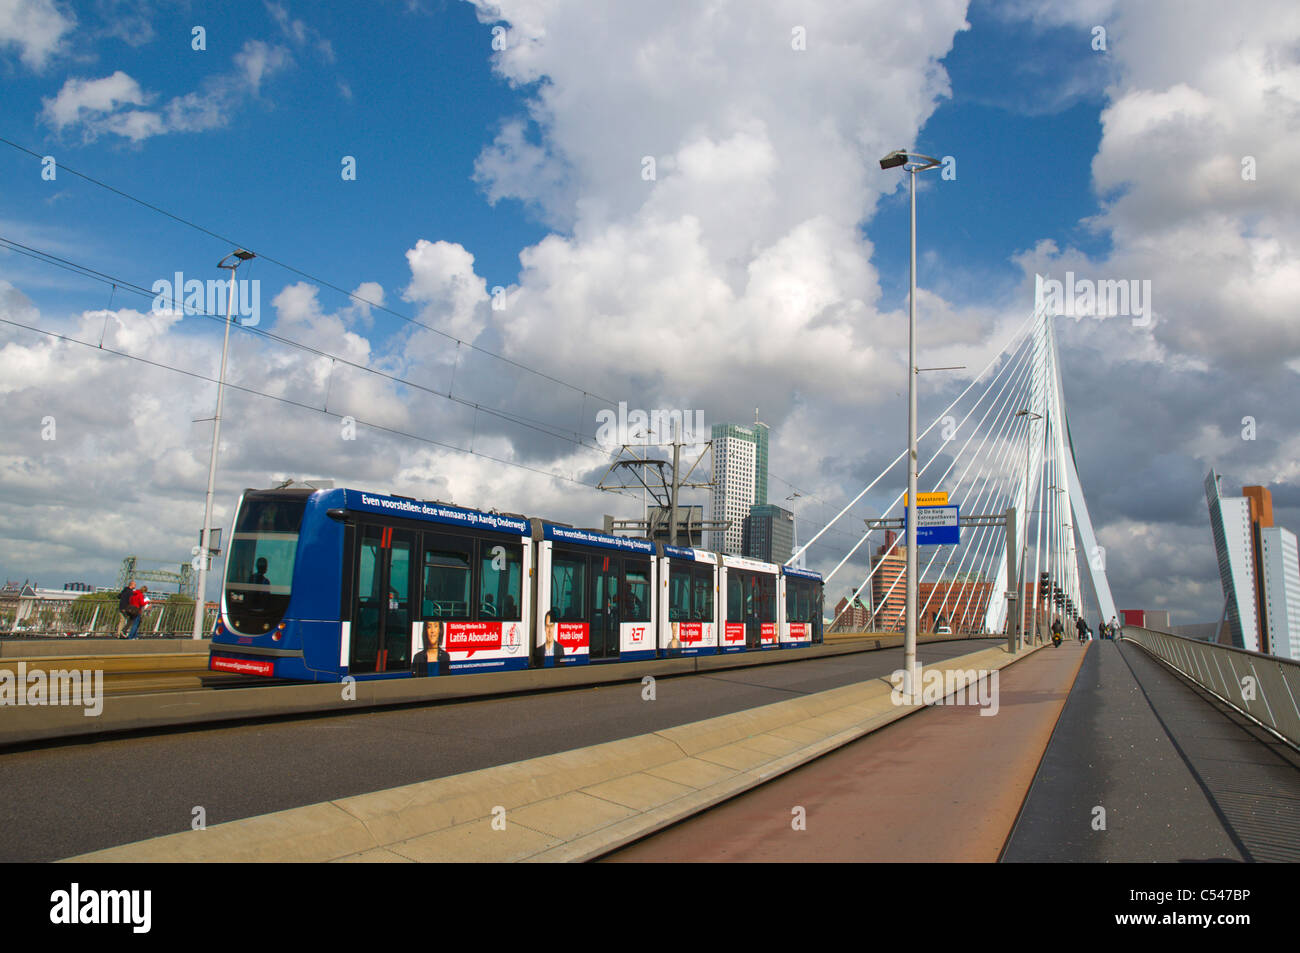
{"points": [[325, 584]]}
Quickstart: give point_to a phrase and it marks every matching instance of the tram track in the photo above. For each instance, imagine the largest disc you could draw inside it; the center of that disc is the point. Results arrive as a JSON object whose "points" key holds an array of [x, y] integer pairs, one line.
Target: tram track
{"points": [[158, 698]]}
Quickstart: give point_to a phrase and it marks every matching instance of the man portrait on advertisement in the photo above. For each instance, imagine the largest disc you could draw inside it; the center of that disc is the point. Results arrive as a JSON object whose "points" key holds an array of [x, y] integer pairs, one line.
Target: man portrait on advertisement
{"points": [[552, 650]]}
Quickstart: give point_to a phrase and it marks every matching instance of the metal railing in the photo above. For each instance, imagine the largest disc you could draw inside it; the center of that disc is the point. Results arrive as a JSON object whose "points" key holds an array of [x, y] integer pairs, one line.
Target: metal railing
{"points": [[53, 618], [1262, 687]]}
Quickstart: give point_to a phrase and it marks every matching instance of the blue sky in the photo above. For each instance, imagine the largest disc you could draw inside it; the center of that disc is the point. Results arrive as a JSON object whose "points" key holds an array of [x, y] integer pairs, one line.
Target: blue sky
{"points": [[768, 212]]}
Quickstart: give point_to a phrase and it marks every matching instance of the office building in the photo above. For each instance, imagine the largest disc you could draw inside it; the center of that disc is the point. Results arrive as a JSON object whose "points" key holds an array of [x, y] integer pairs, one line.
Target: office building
{"points": [[1279, 571], [768, 533], [739, 481], [1230, 524]]}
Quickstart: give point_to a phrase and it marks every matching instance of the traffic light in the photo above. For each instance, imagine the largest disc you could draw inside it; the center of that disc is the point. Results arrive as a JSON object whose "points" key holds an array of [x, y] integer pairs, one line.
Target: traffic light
{"points": [[1044, 587]]}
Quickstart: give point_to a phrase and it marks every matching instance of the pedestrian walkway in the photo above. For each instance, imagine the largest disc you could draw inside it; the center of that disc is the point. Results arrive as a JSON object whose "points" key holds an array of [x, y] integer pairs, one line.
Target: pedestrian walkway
{"points": [[1144, 767]]}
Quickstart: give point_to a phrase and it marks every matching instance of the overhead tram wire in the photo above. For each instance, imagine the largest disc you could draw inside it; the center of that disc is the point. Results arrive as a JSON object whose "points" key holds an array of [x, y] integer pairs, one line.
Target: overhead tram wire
{"points": [[308, 275], [87, 272], [295, 403]]}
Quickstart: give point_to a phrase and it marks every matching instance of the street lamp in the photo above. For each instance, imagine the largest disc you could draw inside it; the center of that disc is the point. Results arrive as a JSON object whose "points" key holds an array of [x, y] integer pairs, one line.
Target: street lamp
{"points": [[911, 163], [1024, 547], [231, 262]]}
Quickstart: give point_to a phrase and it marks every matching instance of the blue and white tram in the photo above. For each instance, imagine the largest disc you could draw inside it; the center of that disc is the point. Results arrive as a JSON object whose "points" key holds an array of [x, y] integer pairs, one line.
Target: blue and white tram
{"points": [[324, 584], [687, 591]]}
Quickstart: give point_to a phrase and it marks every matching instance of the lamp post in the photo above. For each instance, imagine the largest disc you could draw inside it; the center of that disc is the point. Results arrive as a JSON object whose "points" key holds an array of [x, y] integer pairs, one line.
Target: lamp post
{"points": [[1024, 547], [911, 163], [231, 262]]}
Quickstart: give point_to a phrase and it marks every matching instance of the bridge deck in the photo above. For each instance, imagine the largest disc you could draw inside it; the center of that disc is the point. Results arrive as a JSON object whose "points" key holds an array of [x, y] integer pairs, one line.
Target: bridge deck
{"points": [[1178, 779]]}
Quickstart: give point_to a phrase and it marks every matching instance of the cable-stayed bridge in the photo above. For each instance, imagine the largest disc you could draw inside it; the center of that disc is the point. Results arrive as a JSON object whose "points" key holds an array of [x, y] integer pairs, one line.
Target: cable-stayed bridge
{"points": [[1002, 444]]}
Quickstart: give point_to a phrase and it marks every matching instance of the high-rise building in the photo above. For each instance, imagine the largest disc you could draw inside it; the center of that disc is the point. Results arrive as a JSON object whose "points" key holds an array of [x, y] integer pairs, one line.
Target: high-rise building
{"points": [[768, 533], [889, 586], [739, 481], [1279, 570], [1234, 547]]}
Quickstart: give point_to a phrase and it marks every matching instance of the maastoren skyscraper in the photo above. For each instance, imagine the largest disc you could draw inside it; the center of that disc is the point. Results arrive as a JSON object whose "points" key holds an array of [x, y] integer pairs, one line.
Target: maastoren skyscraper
{"points": [[739, 480]]}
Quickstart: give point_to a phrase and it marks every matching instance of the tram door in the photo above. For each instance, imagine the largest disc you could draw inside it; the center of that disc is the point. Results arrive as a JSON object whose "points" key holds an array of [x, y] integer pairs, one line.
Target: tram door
{"points": [[605, 608], [381, 623]]}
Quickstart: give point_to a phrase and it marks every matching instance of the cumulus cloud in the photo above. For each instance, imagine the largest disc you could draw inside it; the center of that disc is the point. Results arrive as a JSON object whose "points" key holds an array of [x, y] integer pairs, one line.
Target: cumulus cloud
{"points": [[117, 105], [36, 27]]}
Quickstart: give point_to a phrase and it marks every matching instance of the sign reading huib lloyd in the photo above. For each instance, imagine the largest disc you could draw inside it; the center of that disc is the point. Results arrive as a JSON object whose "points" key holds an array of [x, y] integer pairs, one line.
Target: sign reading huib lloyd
{"points": [[196, 297], [75, 687], [1100, 299]]}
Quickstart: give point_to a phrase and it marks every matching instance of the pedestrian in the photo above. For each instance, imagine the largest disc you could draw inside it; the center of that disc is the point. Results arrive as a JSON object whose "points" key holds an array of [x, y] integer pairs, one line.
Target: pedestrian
{"points": [[1114, 628], [139, 602], [1082, 628], [124, 608]]}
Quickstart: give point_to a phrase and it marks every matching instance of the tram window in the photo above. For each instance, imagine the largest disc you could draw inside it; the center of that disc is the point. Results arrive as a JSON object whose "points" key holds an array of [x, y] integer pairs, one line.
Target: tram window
{"points": [[447, 562], [501, 571], [634, 595], [679, 594], [767, 592], [735, 597], [702, 582], [568, 586]]}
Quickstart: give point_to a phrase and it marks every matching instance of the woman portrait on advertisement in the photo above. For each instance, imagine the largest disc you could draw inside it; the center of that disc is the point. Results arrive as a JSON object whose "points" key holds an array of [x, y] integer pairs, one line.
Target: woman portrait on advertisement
{"points": [[552, 650], [433, 651]]}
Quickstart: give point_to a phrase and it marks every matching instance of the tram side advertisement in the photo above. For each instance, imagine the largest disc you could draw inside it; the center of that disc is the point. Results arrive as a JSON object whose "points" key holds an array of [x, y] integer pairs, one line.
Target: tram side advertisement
{"points": [[471, 646]]}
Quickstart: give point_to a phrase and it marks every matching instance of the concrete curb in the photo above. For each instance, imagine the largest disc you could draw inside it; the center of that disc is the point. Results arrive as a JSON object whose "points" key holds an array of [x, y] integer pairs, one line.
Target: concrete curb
{"points": [[571, 806]]}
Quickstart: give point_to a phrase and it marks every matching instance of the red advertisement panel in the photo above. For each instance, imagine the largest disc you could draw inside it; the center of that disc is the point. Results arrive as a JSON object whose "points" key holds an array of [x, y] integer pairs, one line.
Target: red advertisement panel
{"points": [[798, 631], [473, 637], [572, 635], [768, 632], [242, 666], [734, 632], [689, 633]]}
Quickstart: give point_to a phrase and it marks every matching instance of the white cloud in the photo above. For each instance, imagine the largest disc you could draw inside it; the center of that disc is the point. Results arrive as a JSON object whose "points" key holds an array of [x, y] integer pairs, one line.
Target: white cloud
{"points": [[36, 27], [113, 105]]}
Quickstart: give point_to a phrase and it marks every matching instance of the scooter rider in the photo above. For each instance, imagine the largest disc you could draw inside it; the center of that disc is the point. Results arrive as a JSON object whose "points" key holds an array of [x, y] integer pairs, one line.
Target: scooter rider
{"points": [[1058, 631]]}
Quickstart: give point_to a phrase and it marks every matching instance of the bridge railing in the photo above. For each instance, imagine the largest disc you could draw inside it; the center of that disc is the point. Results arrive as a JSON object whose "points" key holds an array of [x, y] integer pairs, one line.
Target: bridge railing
{"points": [[1262, 687], [53, 618]]}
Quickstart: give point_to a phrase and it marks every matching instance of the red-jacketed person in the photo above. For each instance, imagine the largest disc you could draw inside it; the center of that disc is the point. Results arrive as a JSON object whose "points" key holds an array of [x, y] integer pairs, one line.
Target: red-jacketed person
{"points": [[140, 603]]}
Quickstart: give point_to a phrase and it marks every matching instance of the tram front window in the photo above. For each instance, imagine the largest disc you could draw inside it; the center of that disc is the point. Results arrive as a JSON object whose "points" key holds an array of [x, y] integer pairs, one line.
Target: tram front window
{"points": [[259, 565]]}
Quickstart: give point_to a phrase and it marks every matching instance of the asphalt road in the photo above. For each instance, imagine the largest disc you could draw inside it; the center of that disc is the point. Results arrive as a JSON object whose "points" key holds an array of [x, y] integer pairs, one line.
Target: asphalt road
{"points": [[1178, 775], [77, 797]]}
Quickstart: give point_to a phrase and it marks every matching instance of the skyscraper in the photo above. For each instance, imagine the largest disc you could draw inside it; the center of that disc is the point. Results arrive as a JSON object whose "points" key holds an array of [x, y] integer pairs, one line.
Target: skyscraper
{"points": [[739, 480], [1279, 568], [1233, 544], [769, 533]]}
